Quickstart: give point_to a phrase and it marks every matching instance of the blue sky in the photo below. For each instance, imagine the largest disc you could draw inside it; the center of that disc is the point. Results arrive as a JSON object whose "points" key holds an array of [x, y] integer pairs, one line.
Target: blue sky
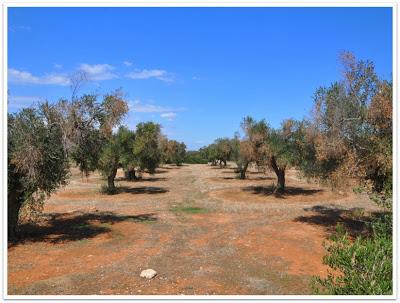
{"points": [[196, 71]]}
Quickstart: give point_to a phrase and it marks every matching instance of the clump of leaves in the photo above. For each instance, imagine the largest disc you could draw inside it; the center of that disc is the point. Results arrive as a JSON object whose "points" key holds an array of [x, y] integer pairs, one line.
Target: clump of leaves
{"points": [[105, 189], [362, 266]]}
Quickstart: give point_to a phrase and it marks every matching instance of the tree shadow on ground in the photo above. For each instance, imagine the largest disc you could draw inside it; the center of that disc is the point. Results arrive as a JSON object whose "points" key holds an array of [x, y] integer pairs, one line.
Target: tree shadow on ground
{"points": [[173, 166], [76, 226], [289, 191], [155, 179], [142, 190], [161, 171], [254, 172], [230, 171], [353, 220], [236, 177]]}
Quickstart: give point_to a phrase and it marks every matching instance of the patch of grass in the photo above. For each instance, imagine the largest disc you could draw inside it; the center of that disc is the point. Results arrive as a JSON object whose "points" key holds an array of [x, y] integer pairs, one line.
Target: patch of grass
{"points": [[189, 209], [81, 226], [106, 225], [83, 241], [117, 235], [149, 220]]}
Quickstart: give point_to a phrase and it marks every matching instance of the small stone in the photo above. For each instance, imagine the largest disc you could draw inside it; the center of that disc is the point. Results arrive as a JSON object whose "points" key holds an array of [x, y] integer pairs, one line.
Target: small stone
{"points": [[148, 273]]}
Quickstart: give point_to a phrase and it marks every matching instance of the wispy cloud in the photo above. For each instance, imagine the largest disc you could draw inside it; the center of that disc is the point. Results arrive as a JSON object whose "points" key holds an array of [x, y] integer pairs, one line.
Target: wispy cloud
{"points": [[18, 102], [165, 112], [151, 73], [139, 107], [20, 28], [24, 77], [58, 66], [98, 71], [127, 63], [169, 116]]}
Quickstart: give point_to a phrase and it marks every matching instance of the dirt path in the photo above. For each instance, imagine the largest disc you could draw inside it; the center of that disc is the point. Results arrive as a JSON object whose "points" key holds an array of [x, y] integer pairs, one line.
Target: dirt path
{"points": [[200, 228]]}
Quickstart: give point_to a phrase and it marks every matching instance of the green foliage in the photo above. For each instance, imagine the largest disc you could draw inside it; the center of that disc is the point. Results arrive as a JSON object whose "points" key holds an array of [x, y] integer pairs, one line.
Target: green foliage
{"points": [[117, 150], [42, 140], [90, 123], [126, 140], [350, 136], [36, 158], [107, 190], [362, 266], [189, 209], [195, 157], [173, 152], [146, 147]]}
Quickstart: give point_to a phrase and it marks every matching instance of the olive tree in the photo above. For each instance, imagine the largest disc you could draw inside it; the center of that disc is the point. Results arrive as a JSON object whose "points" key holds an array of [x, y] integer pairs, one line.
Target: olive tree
{"points": [[223, 150], [175, 152], [352, 127], [41, 141], [242, 154], [275, 149], [146, 149], [118, 150]]}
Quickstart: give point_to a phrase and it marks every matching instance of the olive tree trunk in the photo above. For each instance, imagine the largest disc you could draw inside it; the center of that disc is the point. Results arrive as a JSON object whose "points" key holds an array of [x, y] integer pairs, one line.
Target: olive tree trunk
{"points": [[111, 178], [13, 208], [243, 171], [130, 174], [280, 173]]}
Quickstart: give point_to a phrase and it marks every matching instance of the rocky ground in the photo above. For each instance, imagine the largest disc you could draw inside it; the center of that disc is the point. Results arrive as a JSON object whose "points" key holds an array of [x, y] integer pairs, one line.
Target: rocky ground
{"points": [[200, 228]]}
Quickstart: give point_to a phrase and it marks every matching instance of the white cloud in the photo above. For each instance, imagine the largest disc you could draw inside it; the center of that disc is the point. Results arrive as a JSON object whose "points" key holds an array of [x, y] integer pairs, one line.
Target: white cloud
{"points": [[23, 77], [139, 107], [152, 73], [98, 71], [56, 65], [18, 102], [127, 63], [169, 115]]}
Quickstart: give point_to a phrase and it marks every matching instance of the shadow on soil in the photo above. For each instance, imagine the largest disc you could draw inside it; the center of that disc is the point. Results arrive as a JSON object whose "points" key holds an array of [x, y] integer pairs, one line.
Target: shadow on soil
{"points": [[353, 220], [65, 227], [247, 178], [142, 179], [142, 190], [289, 191]]}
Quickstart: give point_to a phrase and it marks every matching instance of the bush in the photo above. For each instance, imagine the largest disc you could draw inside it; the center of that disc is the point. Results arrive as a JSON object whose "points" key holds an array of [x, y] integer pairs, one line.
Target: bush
{"points": [[105, 189], [362, 266], [195, 157]]}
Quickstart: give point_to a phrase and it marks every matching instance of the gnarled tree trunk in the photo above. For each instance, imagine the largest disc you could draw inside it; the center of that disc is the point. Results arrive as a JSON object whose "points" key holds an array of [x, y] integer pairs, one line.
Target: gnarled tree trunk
{"points": [[243, 171], [14, 204], [280, 173], [130, 174], [111, 178]]}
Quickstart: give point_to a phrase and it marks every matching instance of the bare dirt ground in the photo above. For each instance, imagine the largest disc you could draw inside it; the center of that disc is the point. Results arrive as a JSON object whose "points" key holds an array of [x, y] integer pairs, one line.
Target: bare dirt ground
{"points": [[200, 228]]}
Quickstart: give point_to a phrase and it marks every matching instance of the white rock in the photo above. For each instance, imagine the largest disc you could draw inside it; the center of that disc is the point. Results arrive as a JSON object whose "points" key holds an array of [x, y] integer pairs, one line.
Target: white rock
{"points": [[148, 273]]}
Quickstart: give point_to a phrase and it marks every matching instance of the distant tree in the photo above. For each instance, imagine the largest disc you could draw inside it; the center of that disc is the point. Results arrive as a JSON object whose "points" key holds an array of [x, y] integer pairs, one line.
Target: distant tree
{"points": [[146, 148], [195, 157], [41, 140], [223, 150], [242, 154], [176, 152], [210, 153], [118, 150], [275, 149], [126, 140]]}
